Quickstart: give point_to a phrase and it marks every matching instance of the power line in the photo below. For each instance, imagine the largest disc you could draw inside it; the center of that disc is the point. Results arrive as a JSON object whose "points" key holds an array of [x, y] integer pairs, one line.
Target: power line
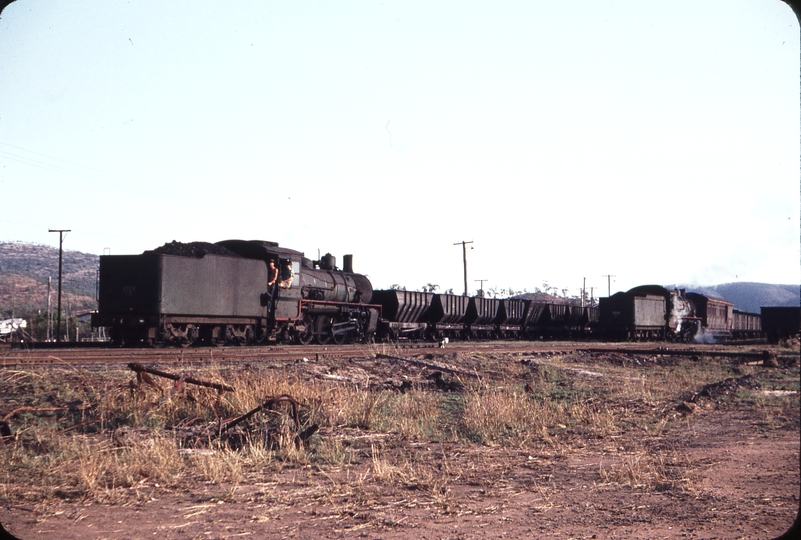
{"points": [[41, 165], [53, 158]]}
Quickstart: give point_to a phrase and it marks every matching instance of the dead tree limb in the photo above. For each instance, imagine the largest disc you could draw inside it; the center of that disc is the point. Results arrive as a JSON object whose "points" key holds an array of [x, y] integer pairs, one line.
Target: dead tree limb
{"points": [[139, 368]]}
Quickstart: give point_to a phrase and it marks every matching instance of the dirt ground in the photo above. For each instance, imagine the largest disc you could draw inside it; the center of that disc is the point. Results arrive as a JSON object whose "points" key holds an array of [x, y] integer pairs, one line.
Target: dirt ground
{"points": [[743, 469]]}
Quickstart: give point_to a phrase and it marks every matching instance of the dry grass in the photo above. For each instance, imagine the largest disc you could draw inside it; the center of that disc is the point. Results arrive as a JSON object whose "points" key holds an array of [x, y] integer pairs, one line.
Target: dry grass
{"points": [[568, 409], [641, 468]]}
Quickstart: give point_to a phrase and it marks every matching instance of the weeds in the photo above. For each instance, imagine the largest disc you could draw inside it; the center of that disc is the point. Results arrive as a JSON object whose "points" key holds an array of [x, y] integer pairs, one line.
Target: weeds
{"points": [[562, 410], [643, 469]]}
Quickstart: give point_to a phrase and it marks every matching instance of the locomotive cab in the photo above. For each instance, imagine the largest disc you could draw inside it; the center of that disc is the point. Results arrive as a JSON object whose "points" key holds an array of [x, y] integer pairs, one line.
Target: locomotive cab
{"points": [[287, 295]]}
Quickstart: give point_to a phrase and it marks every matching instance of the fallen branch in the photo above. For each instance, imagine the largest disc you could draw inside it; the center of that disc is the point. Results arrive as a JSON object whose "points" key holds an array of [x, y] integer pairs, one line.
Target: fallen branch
{"points": [[139, 368]]}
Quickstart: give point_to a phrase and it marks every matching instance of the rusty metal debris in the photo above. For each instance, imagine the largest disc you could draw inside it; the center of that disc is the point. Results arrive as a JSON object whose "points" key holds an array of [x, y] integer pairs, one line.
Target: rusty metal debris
{"points": [[35, 409], [271, 435], [225, 431], [237, 432], [139, 368], [267, 405]]}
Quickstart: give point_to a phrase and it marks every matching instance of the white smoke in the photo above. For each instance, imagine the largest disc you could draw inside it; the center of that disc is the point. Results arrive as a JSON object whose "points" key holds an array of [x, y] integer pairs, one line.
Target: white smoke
{"points": [[704, 337], [681, 309]]}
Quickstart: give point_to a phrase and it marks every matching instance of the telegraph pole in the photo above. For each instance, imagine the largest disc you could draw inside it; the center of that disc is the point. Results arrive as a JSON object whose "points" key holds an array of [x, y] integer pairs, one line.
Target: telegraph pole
{"points": [[464, 254], [60, 266], [481, 290], [608, 284], [583, 291], [49, 318]]}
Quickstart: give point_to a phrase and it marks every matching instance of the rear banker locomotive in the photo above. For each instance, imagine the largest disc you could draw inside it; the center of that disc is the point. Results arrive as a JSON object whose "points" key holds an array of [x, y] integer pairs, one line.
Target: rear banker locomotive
{"points": [[219, 293], [652, 312]]}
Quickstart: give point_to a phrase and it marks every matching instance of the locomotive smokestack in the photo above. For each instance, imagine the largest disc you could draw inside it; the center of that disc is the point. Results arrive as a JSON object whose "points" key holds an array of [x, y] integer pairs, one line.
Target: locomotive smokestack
{"points": [[347, 264]]}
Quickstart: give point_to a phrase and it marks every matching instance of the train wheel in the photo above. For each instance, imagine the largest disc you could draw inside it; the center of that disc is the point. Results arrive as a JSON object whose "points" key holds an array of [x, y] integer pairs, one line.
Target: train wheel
{"points": [[342, 338], [305, 337], [192, 335], [215, 336], [116, 335], [322, 329]]}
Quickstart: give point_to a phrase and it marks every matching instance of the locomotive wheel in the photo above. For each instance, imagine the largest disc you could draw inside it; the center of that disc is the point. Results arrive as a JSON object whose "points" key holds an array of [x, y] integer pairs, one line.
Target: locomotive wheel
{"points": [[322, 329], [116, 335], [214, 337], [341, 339], [305, 337]]}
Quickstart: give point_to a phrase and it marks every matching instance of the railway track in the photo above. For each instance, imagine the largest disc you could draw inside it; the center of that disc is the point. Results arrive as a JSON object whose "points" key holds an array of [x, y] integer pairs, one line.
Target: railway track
{"points": [[20, 356]]}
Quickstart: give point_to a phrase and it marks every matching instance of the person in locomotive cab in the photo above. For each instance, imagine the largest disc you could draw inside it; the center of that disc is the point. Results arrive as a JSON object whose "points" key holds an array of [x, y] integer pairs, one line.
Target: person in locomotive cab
{"points": [[286, 276], [268, 298], [272, 274]]}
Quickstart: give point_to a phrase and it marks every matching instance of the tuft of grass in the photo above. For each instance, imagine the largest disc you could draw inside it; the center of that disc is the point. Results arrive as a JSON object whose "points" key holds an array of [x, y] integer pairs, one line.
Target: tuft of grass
{"points": [[641, 468]]}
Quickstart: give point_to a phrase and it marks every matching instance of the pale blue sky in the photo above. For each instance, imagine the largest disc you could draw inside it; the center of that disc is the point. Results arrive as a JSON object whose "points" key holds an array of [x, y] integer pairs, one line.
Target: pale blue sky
{"points": [[656, 141]]}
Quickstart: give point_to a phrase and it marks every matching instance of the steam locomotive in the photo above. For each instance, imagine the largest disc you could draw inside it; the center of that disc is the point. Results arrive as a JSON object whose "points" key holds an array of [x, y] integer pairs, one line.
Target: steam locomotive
{"points": [[222, 293]]}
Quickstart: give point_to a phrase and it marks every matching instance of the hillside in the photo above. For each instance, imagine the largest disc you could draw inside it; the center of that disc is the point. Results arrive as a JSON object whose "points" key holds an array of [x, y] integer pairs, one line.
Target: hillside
{"points": [[24, 269], [752, 296]]}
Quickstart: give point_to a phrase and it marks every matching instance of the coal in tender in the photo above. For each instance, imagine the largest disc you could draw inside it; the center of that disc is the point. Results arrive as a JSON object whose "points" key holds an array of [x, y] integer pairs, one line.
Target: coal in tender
{"points": [[194, 249]]}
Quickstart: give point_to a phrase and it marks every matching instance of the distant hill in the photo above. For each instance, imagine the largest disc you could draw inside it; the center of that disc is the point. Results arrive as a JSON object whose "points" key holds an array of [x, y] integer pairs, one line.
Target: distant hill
{"points": [[24, 269], [752, 296]]}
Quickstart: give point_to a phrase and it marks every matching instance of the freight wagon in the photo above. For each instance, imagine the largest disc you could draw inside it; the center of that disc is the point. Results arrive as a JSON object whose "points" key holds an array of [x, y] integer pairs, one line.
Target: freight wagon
{"points": [[746, 325], [781, 322]]}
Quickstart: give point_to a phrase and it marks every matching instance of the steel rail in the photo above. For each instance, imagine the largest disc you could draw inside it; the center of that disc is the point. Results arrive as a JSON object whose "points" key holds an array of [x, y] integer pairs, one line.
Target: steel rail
{"points": [[14, 357]]}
